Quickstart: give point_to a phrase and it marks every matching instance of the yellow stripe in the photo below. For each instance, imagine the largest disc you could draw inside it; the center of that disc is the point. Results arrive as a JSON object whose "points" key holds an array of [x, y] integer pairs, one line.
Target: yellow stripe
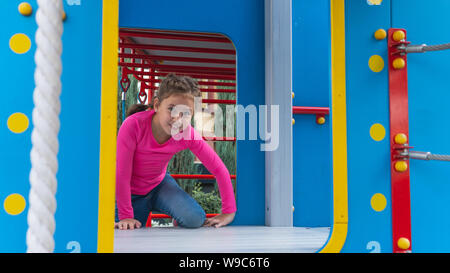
{"points": [[108, 127], [339, 128]]}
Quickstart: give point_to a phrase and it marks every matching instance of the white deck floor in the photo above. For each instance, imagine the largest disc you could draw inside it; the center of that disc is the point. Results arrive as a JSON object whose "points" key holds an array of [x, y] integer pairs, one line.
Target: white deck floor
{"points": [[229, 239]]}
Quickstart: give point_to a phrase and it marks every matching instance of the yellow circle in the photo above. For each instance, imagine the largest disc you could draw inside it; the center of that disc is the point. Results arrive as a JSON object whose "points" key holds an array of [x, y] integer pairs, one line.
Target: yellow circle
{"points": [[18, 123], [14, 204], [293, 95], [403, 243], [380, 34], [374, 2], [398, 63], [293, 121], [25, 9], [20, 43], [401, 166], [377, 132], [321, 120], [398, 36], [378, 202], [376, 63], [400, 138], [64, 16]]}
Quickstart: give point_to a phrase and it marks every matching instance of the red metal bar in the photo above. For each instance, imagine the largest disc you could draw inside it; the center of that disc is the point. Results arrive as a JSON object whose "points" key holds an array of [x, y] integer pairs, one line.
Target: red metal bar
{"points": [[174, 36], [164, 216], [201, 83], [174, 58], [398, 111], [192, 74], [197, 176], [310, 110], [173, 67], [176, 32], [188, 69], [179, 48]]}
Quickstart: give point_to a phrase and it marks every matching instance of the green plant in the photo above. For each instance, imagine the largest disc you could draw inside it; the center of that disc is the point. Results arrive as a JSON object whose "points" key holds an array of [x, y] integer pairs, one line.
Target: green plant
{"points": [[210, 201]]}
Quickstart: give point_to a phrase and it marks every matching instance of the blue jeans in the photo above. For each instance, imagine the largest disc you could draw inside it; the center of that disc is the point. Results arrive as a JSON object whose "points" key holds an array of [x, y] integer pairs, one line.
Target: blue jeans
{"points": [[169, 199]]}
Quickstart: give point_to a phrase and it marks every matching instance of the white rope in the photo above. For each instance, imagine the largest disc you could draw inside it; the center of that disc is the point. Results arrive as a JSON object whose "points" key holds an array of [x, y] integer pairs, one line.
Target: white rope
{"points": [[44, 138]]}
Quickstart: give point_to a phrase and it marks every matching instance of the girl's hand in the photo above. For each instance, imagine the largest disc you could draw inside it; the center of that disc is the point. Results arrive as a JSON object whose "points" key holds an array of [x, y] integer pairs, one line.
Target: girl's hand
{"points": [[220, 220], [128, 223]]}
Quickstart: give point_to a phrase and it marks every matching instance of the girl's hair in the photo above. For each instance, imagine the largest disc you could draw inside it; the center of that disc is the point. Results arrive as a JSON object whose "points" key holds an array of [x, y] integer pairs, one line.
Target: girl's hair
{"points": [[172, 84]]}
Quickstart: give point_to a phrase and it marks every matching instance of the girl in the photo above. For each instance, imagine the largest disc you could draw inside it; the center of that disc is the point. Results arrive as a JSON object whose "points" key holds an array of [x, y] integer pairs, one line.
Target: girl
{"points": [[146, 142]]}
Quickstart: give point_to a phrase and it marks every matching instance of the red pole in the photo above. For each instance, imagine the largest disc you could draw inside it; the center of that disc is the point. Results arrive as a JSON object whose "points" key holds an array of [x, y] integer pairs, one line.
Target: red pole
{"points": [[310, 110], [173, 36], [179, 48], [179, 59]]}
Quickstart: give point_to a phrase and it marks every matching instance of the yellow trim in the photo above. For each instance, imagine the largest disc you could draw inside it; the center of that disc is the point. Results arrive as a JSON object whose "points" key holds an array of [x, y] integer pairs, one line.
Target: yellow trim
{"points": [[108, 127], [339, 128]]}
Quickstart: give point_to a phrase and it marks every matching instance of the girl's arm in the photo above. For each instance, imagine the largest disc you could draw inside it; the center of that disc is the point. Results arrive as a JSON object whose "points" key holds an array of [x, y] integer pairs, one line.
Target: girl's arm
{"points": [[215, 165], [126, 145]]}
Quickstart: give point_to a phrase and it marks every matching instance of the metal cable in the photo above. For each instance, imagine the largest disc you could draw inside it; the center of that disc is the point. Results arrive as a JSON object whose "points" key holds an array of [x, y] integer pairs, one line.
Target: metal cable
{"points": [[428, 156], [436, 47], [439, 157], [424, 48]]}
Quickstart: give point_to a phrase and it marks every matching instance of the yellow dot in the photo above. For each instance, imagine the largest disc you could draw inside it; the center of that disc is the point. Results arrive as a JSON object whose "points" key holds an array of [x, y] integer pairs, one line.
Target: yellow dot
{"points": [[398, 63], [377, 132], [321, 120], [18, 123], [293, 95], [374, 2], [25, 9], [64, 16], [403, 243], [378, 202], [401, 166], [14, 204], [400, 138], [380, 34], [20, 43], [293, 121], [398, 36], [376, 63]]}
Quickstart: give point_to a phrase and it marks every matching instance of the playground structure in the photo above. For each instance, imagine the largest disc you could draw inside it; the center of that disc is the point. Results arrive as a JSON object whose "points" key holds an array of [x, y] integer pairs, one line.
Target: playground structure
{"points": [[353, 100]]}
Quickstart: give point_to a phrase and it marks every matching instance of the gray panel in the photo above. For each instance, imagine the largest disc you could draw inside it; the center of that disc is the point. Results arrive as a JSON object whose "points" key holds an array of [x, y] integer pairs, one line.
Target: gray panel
{"points": [[229, 239], [278, 28]]}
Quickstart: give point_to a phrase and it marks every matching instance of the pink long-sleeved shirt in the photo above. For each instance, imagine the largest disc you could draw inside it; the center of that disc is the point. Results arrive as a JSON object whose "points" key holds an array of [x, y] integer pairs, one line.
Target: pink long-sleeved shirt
{"points": [[142, 162]]}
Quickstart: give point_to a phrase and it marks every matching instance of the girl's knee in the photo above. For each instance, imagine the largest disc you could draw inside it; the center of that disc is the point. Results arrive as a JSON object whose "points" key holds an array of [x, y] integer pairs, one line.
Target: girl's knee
{"points": [[193, 220]]}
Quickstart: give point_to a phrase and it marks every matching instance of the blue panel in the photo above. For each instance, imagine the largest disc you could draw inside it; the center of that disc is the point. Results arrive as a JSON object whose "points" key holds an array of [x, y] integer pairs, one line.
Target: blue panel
{"points": [[312, 187], [77, 191], [78, 175], [16, 97], [243, 23], [428, 87], [367, 104]]}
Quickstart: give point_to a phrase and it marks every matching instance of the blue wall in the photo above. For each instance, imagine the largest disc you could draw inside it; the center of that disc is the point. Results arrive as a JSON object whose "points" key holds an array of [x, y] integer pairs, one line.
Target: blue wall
{"points": [[312, 187], [429, 115]]}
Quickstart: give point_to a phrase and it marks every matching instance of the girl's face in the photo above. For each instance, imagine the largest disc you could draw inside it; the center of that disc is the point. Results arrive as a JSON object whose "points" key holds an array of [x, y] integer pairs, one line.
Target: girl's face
{"points": [[174, 113]]}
